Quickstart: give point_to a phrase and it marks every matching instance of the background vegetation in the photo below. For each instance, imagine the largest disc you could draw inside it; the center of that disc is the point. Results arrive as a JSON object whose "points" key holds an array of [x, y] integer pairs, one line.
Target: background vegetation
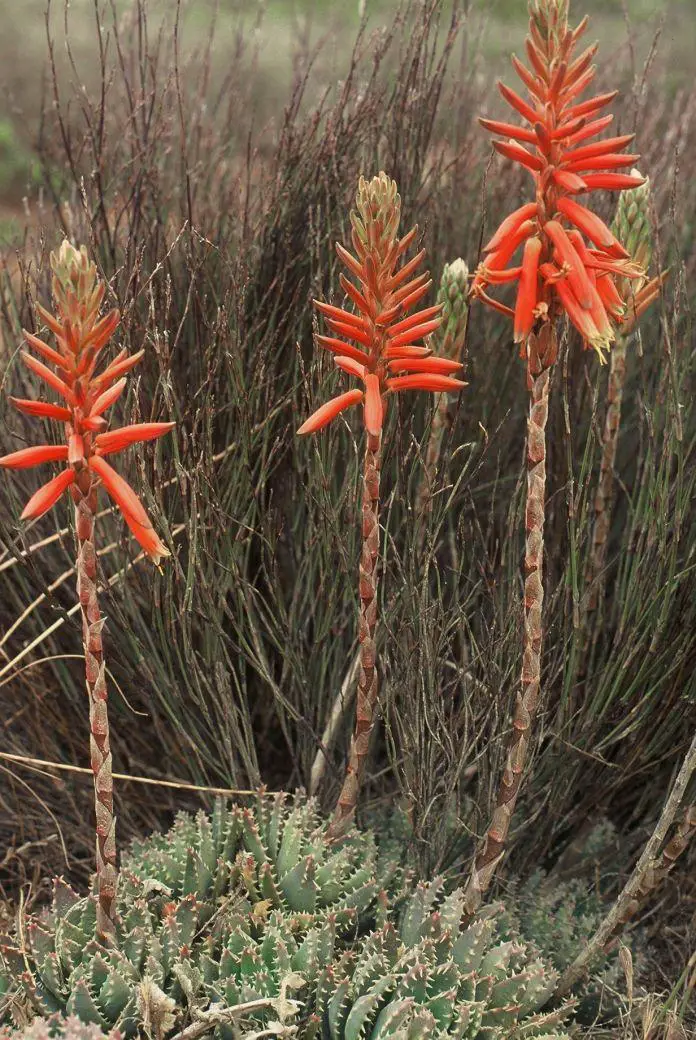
{"points": [[211, 190]]}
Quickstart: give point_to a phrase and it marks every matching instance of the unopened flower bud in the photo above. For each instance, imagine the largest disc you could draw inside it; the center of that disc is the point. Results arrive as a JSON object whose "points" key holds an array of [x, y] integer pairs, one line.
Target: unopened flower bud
{"points": [[448, 340]]}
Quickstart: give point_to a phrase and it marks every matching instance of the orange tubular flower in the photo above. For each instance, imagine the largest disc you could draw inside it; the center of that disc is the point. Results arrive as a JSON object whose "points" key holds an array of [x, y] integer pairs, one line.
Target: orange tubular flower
{"points": [[80, 338], [559, 273], [386, 340]]}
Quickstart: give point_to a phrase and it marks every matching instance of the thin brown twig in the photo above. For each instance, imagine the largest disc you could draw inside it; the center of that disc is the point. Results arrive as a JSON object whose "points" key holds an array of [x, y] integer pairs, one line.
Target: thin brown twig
{"points": [[177, 784]]}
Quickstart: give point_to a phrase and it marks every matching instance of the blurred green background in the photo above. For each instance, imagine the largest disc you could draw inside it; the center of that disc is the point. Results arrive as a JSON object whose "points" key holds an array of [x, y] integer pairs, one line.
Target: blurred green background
{"points": [[280, 30]]}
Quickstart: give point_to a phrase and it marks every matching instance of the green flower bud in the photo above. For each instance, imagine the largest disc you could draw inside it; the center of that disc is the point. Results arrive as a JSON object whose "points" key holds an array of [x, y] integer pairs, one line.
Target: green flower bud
{"points": [[453, 295], [378, 205], [632, 222], [76, 286]]}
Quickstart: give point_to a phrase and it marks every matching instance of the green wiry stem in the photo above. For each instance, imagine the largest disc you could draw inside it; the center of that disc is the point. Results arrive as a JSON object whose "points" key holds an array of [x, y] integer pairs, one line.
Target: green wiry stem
{"points": [[605, 486]]}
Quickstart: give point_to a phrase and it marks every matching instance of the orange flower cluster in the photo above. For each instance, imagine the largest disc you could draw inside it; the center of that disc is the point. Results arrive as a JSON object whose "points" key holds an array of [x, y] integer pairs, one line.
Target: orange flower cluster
{"points": [[386, 358], [570, 257], [80, 338]]}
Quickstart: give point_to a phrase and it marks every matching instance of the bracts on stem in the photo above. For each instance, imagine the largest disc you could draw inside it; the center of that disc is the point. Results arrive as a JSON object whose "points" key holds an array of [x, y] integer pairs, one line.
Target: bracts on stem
{"points": [[542, 350], [85, 497], [648, 873]]}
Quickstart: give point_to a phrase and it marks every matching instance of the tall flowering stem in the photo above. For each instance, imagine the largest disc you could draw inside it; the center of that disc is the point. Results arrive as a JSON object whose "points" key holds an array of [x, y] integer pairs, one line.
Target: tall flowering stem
{"points": [[448, 340], [569, 266], [86, 394], [380, 347], [632, 228]]}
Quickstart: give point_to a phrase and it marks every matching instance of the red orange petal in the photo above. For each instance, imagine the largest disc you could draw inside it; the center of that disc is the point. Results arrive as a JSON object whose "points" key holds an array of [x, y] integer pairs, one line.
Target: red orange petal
{"points": [[348, 364], [416, 333], [339, 314], [603, 162], [349, 260], [612, 181], [431, 365], [433, 383], [47, 495], [414, 319], [351, 331], [577, 275], [406, 271], [103, 330], [406, 352], [116, 440], [34, 456], [117, 369], [592, 226], [323, 416], [589, 151], [510, 225], [521, 106], [410, 299], [575, 135], [527, 295], [338, 346], [514, 151], [519, 133], [131, 508], [42, 408], [569, 182], [49, 377], [107, 398], [374, 410], [47, 352], [76, 449], [47, 318], [586, 108]]}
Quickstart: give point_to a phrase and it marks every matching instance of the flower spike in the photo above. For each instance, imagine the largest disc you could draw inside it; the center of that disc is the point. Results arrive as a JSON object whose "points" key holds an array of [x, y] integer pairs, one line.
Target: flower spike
{"points": [[554, 148], [80, 337], [572, 265], [381, 345], [381, 328]]}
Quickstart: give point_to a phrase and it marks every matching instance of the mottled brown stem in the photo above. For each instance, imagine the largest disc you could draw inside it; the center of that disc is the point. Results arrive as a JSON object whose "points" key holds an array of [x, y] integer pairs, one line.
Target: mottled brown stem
{"points": [[527, 699], [657, 871], [647, 874], [100, 752], [605, 486], [367, 675]]}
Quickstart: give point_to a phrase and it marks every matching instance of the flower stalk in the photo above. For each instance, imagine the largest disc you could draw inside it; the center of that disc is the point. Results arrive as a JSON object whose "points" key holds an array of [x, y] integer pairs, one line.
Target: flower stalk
{"points": [[564, 261], [448, 341], [381, 347], [650, 870], [81, 336], [486, 861], [632, 228]]}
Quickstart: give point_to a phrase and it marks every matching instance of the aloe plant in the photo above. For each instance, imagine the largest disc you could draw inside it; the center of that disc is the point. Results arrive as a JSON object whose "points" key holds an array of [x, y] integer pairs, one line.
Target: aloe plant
{"points": [[219, 911], [427, 975], [57, 1028]]}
